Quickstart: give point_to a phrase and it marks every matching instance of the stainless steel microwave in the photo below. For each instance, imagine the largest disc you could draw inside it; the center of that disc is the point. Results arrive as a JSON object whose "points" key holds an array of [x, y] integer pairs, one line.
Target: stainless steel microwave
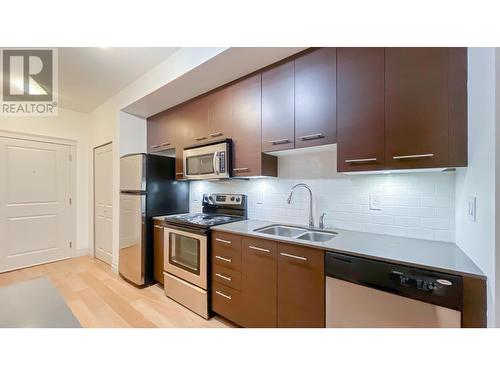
{"points": [[208, 161]]}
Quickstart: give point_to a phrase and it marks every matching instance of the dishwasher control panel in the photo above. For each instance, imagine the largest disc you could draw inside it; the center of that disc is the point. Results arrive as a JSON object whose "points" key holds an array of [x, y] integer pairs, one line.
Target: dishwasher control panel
{"points": [[437, 288]]}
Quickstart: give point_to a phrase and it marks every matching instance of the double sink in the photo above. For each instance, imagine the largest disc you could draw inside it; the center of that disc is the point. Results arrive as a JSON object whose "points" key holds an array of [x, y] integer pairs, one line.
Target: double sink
{"points": [[298, 233]]}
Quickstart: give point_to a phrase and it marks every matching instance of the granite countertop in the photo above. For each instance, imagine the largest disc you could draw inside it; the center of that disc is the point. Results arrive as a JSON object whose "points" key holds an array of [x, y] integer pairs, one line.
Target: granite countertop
{"points": [[433, 255], [35, 303]]}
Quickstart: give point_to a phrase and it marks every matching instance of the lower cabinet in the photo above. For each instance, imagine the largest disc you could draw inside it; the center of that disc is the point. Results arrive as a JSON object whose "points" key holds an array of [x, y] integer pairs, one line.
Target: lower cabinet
{"points": [[158, 249], [267, 283]]}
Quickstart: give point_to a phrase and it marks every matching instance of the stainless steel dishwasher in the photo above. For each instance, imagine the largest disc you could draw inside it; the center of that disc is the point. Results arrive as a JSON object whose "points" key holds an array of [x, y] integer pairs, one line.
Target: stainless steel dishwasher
{"points": [[365, 293]]}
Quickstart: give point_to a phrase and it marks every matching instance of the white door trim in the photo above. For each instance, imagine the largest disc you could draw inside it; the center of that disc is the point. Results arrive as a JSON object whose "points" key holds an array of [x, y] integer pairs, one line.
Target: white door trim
{"points": [[73, 162]]}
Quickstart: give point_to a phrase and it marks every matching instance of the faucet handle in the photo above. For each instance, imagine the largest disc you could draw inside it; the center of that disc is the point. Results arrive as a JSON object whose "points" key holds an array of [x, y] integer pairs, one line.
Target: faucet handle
{"points": [[322, 221]]}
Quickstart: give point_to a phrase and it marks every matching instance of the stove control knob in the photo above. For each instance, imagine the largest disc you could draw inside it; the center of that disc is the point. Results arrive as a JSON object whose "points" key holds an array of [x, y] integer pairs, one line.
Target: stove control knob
{"points": [[232, 199], [238, 199]]}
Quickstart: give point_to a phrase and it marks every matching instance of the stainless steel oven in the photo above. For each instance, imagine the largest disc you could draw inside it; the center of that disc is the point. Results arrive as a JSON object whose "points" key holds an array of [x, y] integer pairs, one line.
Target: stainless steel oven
{"points": [[208, 161]]}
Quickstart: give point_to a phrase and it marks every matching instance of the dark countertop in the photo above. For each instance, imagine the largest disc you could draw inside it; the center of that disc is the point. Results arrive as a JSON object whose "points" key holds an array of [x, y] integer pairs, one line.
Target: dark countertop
{"points": [[34, 303], [433, 255]]}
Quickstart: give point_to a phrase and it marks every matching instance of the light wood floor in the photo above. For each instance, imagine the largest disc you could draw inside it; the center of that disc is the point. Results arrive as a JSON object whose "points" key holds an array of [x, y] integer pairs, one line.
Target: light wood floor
{"points": [[99, 298]]}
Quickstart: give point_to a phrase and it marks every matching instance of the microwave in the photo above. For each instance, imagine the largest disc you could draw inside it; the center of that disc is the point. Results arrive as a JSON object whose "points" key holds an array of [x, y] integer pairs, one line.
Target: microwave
{"points": [[207, 161]]}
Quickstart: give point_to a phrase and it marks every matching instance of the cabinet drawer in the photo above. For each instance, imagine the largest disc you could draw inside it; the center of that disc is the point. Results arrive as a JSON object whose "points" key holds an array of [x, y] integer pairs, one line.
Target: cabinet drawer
{"points": [[221, 240], [226, 276], [226, 302], [227, 257]]}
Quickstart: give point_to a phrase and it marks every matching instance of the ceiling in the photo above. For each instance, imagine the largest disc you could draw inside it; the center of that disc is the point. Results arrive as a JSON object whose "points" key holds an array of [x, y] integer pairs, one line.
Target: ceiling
{"points": [[90, 76]]}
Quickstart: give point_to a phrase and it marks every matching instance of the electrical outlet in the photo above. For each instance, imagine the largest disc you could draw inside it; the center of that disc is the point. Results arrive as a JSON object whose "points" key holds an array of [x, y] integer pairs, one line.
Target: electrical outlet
{"points": [[471, 208], [375, 202]]}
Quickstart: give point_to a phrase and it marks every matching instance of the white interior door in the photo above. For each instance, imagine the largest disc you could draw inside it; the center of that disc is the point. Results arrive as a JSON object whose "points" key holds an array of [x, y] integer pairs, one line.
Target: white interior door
{"points": [[36, 223], [103, 202]]}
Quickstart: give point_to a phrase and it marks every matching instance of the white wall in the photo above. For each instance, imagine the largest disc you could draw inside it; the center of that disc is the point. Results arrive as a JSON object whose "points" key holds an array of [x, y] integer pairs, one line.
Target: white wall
{"points": [[68, 125], [477, 238], [132, 134], [419, 205], [497, 185]]}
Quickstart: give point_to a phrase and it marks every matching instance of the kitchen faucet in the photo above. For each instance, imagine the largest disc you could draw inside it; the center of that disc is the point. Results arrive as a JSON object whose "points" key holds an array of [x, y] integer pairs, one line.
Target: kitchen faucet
{"points": [[289, 201]]}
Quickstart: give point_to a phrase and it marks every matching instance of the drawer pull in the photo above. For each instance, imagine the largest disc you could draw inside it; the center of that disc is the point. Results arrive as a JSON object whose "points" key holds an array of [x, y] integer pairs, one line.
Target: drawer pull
{"points": [[310, 137], [179, 174], [223, 277], [241, 169], [419, 156], [155, 146], [165, 144], [218, 134], [280, 141], [294, 256], [200, 138], [158, 226], [223, 259], [223, 295], [259, 249], [360, 160], [223, 241]]}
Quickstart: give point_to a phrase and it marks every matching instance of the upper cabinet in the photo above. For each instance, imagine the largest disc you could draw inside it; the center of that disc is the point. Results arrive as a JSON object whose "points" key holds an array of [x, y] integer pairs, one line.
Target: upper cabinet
{"points": [[161, 132], [248, 159], [195, 118], [220, 114], [360, 109], [278, 132], [425, 101], [315, 98]]}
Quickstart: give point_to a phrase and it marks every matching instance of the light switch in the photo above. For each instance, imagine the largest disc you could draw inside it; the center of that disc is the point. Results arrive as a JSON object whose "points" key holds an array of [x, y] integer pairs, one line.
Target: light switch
{"points": [[375, 202], [260, 197], [471, 208]]}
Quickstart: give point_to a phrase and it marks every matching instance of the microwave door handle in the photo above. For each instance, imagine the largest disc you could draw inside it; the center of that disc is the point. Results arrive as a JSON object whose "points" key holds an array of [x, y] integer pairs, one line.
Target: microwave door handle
{"points": [[216, 162]]}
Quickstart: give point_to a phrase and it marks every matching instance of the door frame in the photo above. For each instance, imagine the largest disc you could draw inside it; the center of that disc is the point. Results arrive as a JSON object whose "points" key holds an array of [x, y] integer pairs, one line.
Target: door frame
{"points": [[72, 143], [93, 199]]}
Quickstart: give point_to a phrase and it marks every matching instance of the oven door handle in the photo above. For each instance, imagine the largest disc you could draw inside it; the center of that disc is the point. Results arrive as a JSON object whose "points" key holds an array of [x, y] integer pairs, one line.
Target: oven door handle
{"points": [[216, 162]]}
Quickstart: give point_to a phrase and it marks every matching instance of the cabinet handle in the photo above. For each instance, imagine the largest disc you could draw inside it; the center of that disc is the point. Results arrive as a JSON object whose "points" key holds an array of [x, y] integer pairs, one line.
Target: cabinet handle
{"points": [[360, 160], [223, 295], [280, 141], [223, 241], [310, 137], [259, 249], [223, 259], [155, 146], [399, 157], [223, 277], [241, 169], [179, 174], [165, 144], [294, 256], [200, 138], [158, 226], [217, 134]]}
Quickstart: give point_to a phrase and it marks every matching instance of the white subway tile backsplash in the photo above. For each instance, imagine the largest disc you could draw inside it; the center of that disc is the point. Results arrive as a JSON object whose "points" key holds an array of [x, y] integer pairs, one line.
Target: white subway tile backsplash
{"points": [[419, 205]]}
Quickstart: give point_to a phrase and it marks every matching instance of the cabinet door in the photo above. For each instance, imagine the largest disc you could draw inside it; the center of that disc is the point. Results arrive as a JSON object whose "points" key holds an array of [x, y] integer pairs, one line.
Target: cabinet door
{"points": [[161, 131], [360, 109], [220, 114], [416, 117], [247, 155], [258, 295], [278, 108], [301, 287], [158, 256], [196, 118], [315, 98]]}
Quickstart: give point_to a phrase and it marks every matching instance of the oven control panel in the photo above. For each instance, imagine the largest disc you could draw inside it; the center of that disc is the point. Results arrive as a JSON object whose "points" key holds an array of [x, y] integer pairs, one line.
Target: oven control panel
{"points": [[224, 199]]}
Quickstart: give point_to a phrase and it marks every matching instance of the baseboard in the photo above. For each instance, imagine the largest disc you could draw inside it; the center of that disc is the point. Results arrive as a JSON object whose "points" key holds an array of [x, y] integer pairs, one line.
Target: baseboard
{"points": [[114, 268], [82, 252]]}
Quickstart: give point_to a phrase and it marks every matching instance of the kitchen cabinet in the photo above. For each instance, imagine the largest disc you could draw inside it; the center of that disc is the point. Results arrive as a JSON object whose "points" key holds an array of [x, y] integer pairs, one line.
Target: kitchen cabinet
{"points": [[259, 275], [161, 132], [248, 159], [278, 117], [158, 252], [301, 287], [196, 120], [315, 98], [220, 114], [360, 109], [425, 100]]}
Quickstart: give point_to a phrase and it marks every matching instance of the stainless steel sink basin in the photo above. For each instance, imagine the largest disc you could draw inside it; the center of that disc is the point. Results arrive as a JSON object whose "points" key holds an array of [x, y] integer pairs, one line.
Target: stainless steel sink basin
{"points": [[316, 236], [281, 230], [298, 233]]}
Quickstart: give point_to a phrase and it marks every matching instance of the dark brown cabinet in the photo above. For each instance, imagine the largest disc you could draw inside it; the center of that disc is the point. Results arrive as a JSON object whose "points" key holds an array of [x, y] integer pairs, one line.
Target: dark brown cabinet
{"points": [[360, 109], [220, 114], [421, 97], [301, 287], [315, 98], [259, 275], [158, 249], [161, 132], [195, 117], [248, 159], [278, 117]]}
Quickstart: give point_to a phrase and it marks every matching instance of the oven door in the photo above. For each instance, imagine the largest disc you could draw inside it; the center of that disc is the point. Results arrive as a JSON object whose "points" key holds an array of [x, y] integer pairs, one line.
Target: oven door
{"points": [[186, 256], [207, 162]]}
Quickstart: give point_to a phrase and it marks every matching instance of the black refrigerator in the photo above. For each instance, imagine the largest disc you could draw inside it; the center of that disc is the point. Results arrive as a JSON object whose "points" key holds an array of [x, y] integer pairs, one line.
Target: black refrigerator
{"points": [[147, 189]]}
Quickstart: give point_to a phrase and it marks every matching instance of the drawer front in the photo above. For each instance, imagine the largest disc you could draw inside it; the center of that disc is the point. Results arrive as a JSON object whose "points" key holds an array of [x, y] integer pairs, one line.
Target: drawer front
{"points": [[227, 258], [226, 302], [226, 276], [221, 240], [257, 246]]}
